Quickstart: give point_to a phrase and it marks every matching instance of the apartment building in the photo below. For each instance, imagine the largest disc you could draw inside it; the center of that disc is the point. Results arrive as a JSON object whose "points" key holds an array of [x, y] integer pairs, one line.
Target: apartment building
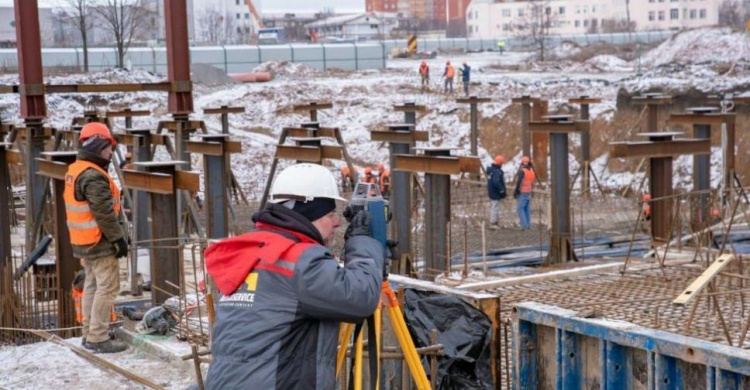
{"points": [[491, 18]]}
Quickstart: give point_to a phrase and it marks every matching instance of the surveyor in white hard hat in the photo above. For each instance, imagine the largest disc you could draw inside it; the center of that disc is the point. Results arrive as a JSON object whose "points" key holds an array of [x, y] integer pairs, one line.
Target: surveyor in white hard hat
{"points": [[283, 294]]}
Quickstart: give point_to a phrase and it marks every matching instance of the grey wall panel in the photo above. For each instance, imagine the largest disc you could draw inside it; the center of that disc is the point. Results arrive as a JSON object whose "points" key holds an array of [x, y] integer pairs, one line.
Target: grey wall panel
{"points": [[339, 52], [8, 59], [101, 59], [60, 58], [276, 53], [306, 52], [213, 55]]}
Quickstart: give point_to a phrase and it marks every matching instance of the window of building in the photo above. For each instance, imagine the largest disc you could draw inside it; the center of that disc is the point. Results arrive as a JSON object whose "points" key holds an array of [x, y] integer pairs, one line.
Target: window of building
{"points": [[593, 23], [247, 15], [585, 9], [651, 16], [674, 1], [585, 23], [661, 15], [651, 1], [506, 13], [603, 8], [684, 13], [247, 30], [548, 11], [693, 14], [238, 2], [506, 27], [661, 1], [674, 14], [239, 16], [520, 12], [593, 9], [561, 11], [703, 13], [578, 9], [578, 23]]}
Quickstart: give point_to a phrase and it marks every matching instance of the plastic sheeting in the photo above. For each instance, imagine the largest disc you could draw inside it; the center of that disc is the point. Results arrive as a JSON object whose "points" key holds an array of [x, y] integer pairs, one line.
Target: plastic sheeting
{"points": [[464, 331]]}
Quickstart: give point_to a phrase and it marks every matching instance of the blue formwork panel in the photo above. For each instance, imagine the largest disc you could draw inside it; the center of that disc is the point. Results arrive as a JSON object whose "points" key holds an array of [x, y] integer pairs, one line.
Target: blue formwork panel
{"points": [[102, 59], [66, 58], [277, 53], [600, 353]]}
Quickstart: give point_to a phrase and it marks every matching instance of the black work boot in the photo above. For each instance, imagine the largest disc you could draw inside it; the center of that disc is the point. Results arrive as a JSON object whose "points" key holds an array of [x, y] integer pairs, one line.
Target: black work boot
{"points": [[86, 344], [108, 346]]}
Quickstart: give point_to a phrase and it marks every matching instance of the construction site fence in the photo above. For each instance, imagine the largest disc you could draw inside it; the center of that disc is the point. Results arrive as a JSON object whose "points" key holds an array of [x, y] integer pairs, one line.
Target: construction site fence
{"points": [[345, 56]]}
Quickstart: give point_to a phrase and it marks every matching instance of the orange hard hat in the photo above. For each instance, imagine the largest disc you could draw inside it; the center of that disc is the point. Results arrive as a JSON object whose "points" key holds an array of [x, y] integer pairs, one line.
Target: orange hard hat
{"points": [[96, 129], [646, 197], [424, 62], [345, 170], [499, 160], [368, 170], [525, 160], [715, 212], [380, 167]]}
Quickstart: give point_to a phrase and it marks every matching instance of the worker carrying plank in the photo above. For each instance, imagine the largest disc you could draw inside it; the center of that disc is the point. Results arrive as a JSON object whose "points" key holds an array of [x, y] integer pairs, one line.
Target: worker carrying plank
{"points": [[283, 294]]}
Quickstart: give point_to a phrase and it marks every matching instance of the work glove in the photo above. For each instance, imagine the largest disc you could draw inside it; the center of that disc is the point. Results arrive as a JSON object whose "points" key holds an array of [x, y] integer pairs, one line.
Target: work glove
{"points": [[359, 225], [121, 248], [515, 194]]}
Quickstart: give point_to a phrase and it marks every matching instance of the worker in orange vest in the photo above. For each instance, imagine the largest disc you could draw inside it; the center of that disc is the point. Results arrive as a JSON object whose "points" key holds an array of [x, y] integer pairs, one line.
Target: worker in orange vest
{"points": [[368, 177], [424, 73], [525, 178], [385, 180], [448, 74], [92, 207], [346, 177], [646, 204]]}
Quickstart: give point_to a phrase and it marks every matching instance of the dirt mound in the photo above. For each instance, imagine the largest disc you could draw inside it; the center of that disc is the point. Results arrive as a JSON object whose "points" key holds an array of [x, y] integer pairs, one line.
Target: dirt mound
{"points": [[285, 68], [704, 45], [210, 75]]}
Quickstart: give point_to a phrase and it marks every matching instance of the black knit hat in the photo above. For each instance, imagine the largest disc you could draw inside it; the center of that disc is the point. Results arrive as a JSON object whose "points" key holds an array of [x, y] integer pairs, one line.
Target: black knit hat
{"points": [[95, 144], [314, 209]]}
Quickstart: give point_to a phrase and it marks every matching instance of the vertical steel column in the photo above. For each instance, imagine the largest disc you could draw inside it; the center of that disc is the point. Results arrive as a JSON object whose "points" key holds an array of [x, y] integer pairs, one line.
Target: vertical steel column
{"points": [[540, 141], [437, 215], [652, 102], [29, 49], [178, 57], [141, 153], [473, 101], [35, 184], [561, 247], [702, 172], [128, 119], [728, 145], [216, 184], [526, 102], [167, 254], [401, 192], [6, 202], [67, 265], [585, 102], [660, 185]]}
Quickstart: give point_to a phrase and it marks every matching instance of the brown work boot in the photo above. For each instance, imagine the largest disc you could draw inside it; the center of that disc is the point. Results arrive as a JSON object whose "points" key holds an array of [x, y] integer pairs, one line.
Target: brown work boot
{"points": [[108, 346]]}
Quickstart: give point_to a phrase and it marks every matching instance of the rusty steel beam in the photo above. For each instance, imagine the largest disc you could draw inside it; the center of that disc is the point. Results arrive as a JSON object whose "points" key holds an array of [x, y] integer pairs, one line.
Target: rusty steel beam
{"points": [[186, 125], [127, 113], [39, 132], [308, 153], [399, 136], [311, 132], [652, 101], [706, 119], [213, 148], [29, 50], [658, 149], [148, 182], [313, 108], [178, 57], [54, 165], [526, 103], [439, 165], [559, 127], [540, 141], [6, 202], [13, 156], [473, 102], [224, 111], [129, 137]]}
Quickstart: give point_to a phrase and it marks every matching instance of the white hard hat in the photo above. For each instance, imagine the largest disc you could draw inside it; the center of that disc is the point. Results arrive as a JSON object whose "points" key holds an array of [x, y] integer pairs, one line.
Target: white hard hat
{"points": [[304, 182]]}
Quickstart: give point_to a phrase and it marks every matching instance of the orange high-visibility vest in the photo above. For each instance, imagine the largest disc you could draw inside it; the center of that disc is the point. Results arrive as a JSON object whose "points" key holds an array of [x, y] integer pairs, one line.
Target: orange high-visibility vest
{"points": [[385, 181], [450, 72], [528, 180], [81, 222], [368, 178]]}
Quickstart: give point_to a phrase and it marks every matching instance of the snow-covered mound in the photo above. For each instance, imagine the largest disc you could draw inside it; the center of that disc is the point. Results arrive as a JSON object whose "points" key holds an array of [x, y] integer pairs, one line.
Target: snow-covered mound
{"points": [[565, 50], [285, 68], [701, 45], [609, 63]]}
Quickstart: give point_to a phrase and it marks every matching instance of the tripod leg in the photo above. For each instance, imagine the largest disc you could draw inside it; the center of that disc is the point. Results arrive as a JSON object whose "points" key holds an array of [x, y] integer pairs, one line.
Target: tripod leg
{"points": [[358, 362], [408, 348], [345, 334], [378, 315]]}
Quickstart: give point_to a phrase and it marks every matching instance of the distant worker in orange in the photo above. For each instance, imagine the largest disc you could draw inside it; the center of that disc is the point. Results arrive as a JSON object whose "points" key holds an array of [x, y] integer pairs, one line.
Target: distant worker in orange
{"points": [[368, 177], [346, 176], [385, 180], [449, 73], [646, 205], [525, 178], [424, 73]]}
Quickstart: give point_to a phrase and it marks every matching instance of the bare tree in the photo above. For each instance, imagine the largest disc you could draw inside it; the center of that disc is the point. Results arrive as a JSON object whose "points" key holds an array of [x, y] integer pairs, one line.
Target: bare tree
{"points": [[124, 19], [214, 27], [734, 13], [77, 13], [616, 26], [536, 23]]}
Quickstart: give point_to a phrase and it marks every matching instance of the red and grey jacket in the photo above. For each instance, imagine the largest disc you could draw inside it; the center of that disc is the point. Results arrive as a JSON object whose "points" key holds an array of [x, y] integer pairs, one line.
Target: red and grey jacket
{"points": [[283, 295]]}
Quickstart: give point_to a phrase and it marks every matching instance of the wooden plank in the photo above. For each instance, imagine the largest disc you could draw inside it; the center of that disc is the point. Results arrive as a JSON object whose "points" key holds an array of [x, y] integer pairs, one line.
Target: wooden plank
{"points": [[700, 282], [158, 183], [547, 276], [187, 180]]}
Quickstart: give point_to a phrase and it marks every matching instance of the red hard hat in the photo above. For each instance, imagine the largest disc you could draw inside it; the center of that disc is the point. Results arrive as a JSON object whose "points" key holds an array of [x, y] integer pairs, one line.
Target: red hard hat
{"points": [[95, 128], [499, 160], [368, 170], [525, 160]]}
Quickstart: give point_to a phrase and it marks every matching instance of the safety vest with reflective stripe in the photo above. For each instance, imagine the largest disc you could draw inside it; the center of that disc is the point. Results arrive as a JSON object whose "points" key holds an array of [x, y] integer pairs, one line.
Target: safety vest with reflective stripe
{"points": [[528, 180], [449, 71], [81, 221]]}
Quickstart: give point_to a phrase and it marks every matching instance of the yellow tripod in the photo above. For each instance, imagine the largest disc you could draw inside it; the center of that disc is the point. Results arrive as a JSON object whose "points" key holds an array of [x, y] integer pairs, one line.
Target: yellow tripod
{"points": [[390, 302]]}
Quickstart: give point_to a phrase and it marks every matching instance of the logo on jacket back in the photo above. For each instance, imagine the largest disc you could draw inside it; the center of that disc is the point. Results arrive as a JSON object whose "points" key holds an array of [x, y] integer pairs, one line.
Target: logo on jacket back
{"points": [[243, 297]]}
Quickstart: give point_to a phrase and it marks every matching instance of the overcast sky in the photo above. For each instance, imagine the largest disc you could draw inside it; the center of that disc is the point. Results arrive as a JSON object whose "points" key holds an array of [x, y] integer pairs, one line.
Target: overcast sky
{"points": [[271, 5]]}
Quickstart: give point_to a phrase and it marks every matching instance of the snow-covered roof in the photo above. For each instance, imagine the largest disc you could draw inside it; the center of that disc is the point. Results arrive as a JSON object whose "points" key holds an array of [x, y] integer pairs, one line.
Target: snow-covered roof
{"points": [[349, 19]]}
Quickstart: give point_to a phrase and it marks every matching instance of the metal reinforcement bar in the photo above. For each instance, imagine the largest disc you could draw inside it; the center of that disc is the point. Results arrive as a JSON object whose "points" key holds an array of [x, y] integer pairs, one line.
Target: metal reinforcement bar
{"points": [[553, 348]]}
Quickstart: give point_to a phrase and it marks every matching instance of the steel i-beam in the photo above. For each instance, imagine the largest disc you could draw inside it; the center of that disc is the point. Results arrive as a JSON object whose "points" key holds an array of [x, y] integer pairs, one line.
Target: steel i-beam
{"points": [[54, 165], [559, 126], [215, 148], [128, 114], [6, 202], [585, 102], [652, 102], [29, 50], [410, 110], [35, 136], [525, 102], [437, 165], [313, 108], [163, 181], [473, 102], [401, 138], [178, 58], [224, 111], [660, 149]]}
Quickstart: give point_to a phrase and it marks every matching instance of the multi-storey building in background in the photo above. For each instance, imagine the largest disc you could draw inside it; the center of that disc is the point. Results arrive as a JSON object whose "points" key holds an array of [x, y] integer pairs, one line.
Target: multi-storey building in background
{"points": [[449, 15], [492, 18]]}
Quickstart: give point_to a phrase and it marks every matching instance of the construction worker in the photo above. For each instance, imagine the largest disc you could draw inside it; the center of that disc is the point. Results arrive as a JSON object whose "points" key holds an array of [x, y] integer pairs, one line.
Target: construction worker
{"points": [[525, 178], [465, 77], [92, 205], [495, 189], [448, 75], [646, 204], [424, 73], [283, 293], [501, 46], [368, 177], [385, 180], [346, 177]]}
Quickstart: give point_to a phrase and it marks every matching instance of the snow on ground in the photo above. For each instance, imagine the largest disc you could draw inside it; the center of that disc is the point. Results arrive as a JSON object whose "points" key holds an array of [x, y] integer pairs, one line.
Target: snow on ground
{"points": [[703, 45], [46, 365]]}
